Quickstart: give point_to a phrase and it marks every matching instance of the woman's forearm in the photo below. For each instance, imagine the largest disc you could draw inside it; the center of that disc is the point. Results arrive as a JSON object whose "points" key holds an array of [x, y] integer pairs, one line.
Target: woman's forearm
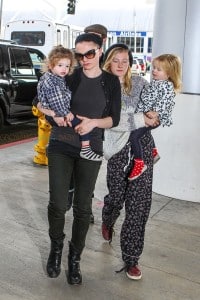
{"points": [[130, 122], [88, 125], [103, 123]]}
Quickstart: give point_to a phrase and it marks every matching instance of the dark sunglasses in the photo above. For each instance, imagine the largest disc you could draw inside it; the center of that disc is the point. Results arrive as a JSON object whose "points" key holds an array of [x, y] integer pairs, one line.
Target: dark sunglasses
{"points": [[89, 54]]}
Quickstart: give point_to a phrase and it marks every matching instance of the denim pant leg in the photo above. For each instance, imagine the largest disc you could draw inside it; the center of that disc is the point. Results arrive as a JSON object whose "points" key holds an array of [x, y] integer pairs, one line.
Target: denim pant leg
{"points": [[60, 173], [85, 175]]}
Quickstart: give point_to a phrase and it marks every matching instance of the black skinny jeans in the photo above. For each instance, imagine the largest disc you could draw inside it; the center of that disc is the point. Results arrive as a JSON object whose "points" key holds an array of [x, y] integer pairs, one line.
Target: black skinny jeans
{"points": [[85, 172]]}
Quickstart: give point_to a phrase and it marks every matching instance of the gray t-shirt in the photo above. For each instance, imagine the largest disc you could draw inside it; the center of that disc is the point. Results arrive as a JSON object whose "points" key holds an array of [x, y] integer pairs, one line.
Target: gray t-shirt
{"points": [[89, 101]]}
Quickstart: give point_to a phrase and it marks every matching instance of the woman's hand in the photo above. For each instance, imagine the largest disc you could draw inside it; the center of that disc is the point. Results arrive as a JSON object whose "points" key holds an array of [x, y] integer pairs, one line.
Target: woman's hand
{"points": [[151, 122], [152, 114], [85, 126]]}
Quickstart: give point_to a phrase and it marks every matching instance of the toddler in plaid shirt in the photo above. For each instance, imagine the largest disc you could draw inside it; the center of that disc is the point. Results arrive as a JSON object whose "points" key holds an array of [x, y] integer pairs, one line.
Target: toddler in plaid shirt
{"points": [[54, 96]]}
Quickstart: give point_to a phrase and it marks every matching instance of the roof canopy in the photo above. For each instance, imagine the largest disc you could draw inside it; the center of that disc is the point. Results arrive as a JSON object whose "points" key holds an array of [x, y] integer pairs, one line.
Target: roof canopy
{"points": [[123, 15]]}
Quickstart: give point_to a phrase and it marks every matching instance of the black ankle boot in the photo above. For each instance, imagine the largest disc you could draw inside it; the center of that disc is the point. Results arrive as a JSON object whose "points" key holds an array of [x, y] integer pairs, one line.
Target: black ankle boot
{"points": [[54, 260], [74, 273]]}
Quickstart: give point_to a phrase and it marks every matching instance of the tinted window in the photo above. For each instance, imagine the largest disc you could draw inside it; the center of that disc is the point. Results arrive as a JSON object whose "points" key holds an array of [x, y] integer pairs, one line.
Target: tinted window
{"points": [[29, 38], [20, 62]]}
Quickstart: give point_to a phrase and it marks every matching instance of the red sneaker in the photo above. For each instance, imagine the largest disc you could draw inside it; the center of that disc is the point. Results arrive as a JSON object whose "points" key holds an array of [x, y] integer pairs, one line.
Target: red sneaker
{"points": [[137, 170], [106, 232], [156, 155], [134, 273]]}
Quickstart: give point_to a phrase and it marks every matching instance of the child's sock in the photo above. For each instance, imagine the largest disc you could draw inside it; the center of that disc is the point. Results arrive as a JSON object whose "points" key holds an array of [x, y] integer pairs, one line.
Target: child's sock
{"points": [[87, 153]]}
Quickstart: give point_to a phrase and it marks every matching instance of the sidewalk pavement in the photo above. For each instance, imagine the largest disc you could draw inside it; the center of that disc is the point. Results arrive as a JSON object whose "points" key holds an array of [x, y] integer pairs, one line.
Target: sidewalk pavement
{"points": [[170, 261]]}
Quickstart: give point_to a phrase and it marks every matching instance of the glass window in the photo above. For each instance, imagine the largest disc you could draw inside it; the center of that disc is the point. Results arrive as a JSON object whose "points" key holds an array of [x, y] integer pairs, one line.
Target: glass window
{"points": [[65, 38], [59, 37], [29, 38], [124, 40], [74, 34], [20, 62], [139, 44], [150, 43], [130, 42]]}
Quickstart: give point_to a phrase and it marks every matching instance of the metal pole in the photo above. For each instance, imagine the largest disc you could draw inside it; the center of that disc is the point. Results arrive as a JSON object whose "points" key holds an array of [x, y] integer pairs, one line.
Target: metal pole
{"points": [[135, 32], [1, 8]]}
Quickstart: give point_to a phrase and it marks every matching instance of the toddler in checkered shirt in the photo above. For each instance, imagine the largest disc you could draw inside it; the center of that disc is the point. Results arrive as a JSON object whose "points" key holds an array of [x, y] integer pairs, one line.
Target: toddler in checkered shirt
{"points": [[54, 96]]}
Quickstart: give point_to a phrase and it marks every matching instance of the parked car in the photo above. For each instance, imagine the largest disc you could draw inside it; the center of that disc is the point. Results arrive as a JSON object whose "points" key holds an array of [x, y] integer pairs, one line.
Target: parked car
{"points": [[143, 65], [136, 69], [19, 74]]}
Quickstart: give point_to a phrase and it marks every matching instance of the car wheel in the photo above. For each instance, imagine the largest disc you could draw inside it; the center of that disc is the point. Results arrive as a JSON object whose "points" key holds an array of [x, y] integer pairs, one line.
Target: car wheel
{"points": [[1, 118]]}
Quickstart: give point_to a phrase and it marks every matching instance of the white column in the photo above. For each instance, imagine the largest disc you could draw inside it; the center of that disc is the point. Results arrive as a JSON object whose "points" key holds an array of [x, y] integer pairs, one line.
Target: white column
{"points": [[176, 30]]}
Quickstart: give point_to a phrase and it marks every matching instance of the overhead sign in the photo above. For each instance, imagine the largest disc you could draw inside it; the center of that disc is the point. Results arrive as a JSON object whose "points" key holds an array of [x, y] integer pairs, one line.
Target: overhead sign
{"points": [[128, 33]]}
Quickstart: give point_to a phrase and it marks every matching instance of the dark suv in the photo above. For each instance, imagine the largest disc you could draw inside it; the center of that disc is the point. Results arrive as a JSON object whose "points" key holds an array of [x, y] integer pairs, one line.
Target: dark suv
{"points": [[19, 73]]}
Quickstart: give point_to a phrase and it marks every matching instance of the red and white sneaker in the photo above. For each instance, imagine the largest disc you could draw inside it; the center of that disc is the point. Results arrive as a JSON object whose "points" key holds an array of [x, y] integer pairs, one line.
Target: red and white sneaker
{"points": [[156, 155], [134, 273], [137, 170]]}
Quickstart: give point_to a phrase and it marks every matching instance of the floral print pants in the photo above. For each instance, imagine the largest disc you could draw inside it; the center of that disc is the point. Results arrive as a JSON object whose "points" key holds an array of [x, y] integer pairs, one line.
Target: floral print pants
{"points": [[135, 195]]}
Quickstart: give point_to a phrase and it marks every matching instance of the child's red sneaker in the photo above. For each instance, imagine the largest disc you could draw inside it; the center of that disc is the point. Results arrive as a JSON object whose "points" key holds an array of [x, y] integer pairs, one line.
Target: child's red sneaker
{"points": [[156, 155], [137, 170]]}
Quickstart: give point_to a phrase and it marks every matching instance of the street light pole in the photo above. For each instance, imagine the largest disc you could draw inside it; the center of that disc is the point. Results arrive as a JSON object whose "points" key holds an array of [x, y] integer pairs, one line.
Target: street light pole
{"points": [[135, 32]]}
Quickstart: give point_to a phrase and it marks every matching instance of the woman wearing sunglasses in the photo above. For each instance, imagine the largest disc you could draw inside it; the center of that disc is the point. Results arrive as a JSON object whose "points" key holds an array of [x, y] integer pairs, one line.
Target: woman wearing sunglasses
{"points": [[96, 101]]}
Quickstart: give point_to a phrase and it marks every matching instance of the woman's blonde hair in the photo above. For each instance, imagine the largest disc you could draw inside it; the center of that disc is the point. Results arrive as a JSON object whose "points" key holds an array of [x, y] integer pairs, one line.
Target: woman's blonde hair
{"points": [[127, 83], [57, 53], [171, 64]]}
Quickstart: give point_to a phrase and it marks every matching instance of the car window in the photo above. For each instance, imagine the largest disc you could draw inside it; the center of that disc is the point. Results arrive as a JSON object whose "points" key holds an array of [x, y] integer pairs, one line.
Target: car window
{"points": [[20, 62], [37, 60]]}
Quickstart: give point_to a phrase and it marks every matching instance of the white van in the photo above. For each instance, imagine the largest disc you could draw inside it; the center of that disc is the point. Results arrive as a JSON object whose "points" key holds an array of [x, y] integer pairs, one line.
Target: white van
{"points": [[41, 34]]}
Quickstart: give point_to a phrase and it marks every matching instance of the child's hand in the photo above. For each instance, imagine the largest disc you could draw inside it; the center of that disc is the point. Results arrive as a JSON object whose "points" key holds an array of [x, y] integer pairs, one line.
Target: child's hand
{"points": [[52, 113], [69, 117], [60, 121]]}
